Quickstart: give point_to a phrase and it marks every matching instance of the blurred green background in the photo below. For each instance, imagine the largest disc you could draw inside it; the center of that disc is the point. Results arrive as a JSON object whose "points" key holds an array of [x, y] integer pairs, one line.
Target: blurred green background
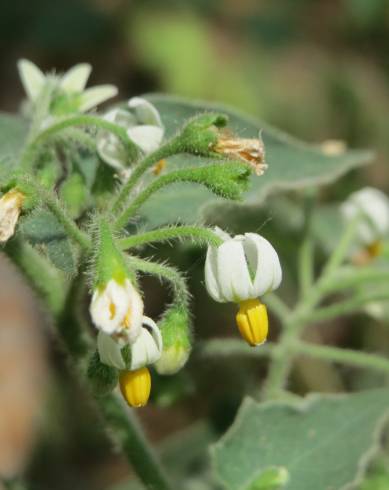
{"points": [[317, 69]]}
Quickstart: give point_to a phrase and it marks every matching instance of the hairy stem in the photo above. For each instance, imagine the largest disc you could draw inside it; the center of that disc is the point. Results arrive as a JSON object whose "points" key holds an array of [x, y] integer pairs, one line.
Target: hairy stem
{"points": [[32, 150], [195, 233], [127, 432], [170, 148], [344, 356], [164, 272]]}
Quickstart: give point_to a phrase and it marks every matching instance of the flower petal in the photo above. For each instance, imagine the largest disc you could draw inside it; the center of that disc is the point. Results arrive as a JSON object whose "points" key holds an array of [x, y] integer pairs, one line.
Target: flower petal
{"points": [[232, 271], [111, 151], [264, 262], [75, 79], [32, 78], [147, 347], [109, 307], [110, 351], [96, 95], [148, 138], [210, 273], [145, 112]]}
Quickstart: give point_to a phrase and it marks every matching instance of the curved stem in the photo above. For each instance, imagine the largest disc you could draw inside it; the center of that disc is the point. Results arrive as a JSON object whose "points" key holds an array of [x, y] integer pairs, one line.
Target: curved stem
{"points": [[344, 356], [277, 306], [231, 347], [170, 148], [127, 431], [306, 258], [352, 305], [32, 149], [164, 272], [342, 248], [195, 233]]}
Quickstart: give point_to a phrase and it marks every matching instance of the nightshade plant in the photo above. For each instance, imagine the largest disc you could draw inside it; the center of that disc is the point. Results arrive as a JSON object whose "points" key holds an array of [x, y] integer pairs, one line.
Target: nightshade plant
{"points": [[83, 191]]}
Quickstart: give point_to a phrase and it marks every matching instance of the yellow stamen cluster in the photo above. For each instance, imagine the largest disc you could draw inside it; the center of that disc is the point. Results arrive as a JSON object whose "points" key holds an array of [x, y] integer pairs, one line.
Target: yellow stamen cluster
{"points": [[252, 321], [135, 386], [159, 167], [375, 249]]}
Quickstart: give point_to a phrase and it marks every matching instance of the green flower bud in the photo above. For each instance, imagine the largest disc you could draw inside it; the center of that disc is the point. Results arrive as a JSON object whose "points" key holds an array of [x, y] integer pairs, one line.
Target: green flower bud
{"points": [[74, 194], [200, 134], [176, 338]]}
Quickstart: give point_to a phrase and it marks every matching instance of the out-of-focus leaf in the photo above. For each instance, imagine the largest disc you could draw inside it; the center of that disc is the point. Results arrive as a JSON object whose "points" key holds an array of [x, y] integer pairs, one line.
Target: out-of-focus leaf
{"points": [[13, 131], [41, 228], [322, 442], [292, 164]]}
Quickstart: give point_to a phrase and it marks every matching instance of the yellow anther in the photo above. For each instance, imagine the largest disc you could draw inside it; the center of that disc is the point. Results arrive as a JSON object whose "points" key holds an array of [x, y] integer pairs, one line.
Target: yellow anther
{"points": [[135, 386], [159, 167], [375, 249], [252, 321], [112, 310], [127, 319]]}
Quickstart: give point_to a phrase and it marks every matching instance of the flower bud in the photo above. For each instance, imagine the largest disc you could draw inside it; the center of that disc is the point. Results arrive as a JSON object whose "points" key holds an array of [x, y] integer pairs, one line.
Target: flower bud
{"points": [[135, 386], [10, 207], [200, 134], [176, 341], [249, 150]]}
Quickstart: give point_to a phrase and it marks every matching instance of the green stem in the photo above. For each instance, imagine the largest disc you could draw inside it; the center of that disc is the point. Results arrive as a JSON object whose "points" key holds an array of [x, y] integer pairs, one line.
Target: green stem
{"points": [[306, 258], [343, 247], [32, 149], [50, 200], [164, 272], [344, 356], [277, 306], [47, 280], [127, 431], [170, 148], [348, 277], [197, 234], [343, 308], [232, 347]]}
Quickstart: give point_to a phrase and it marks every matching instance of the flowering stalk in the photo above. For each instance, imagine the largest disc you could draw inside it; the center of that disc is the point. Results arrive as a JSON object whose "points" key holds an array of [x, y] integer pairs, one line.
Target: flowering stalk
{"points": [[195, 233], [32, 150]]}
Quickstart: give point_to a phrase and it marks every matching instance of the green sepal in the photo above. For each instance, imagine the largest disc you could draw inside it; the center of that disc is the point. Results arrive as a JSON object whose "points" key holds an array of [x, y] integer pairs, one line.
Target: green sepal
{"points": [[110, 263], [200, 134], [102, 378], [176, 339], [127, 356]]}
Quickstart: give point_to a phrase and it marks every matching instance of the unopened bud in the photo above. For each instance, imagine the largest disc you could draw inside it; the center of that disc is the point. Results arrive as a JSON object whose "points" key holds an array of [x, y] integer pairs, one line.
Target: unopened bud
{"points": [[10, 207], [176, 341]]}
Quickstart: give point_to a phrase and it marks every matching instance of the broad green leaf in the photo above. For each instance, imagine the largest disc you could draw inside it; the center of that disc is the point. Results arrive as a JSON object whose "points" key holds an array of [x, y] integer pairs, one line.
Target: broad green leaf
{"points": [[41, 228], [292, 164], [322, 442], [13, 131]]}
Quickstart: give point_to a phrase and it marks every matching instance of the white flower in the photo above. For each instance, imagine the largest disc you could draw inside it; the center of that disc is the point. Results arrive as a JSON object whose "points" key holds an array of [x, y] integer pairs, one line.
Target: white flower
{"points": [[244, 267], [118, 310], [373, 205], [70, 94], [145, 350], [240, 270], [143, 125], [10, 207]]}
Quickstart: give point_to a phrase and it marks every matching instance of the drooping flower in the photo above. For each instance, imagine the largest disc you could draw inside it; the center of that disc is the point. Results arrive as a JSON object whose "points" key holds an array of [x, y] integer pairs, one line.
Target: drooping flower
{"points": [[117, 310], [69, 93], [373, 207], [10, 208], [143, 125], [241, 270], [132, 360]]}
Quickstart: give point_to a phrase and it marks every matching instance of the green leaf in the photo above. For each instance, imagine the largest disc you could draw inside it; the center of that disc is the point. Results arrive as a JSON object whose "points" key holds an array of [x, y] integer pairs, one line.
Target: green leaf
{"points": [[41, 228], [13, 131], [322, 442], [292, 164]]}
